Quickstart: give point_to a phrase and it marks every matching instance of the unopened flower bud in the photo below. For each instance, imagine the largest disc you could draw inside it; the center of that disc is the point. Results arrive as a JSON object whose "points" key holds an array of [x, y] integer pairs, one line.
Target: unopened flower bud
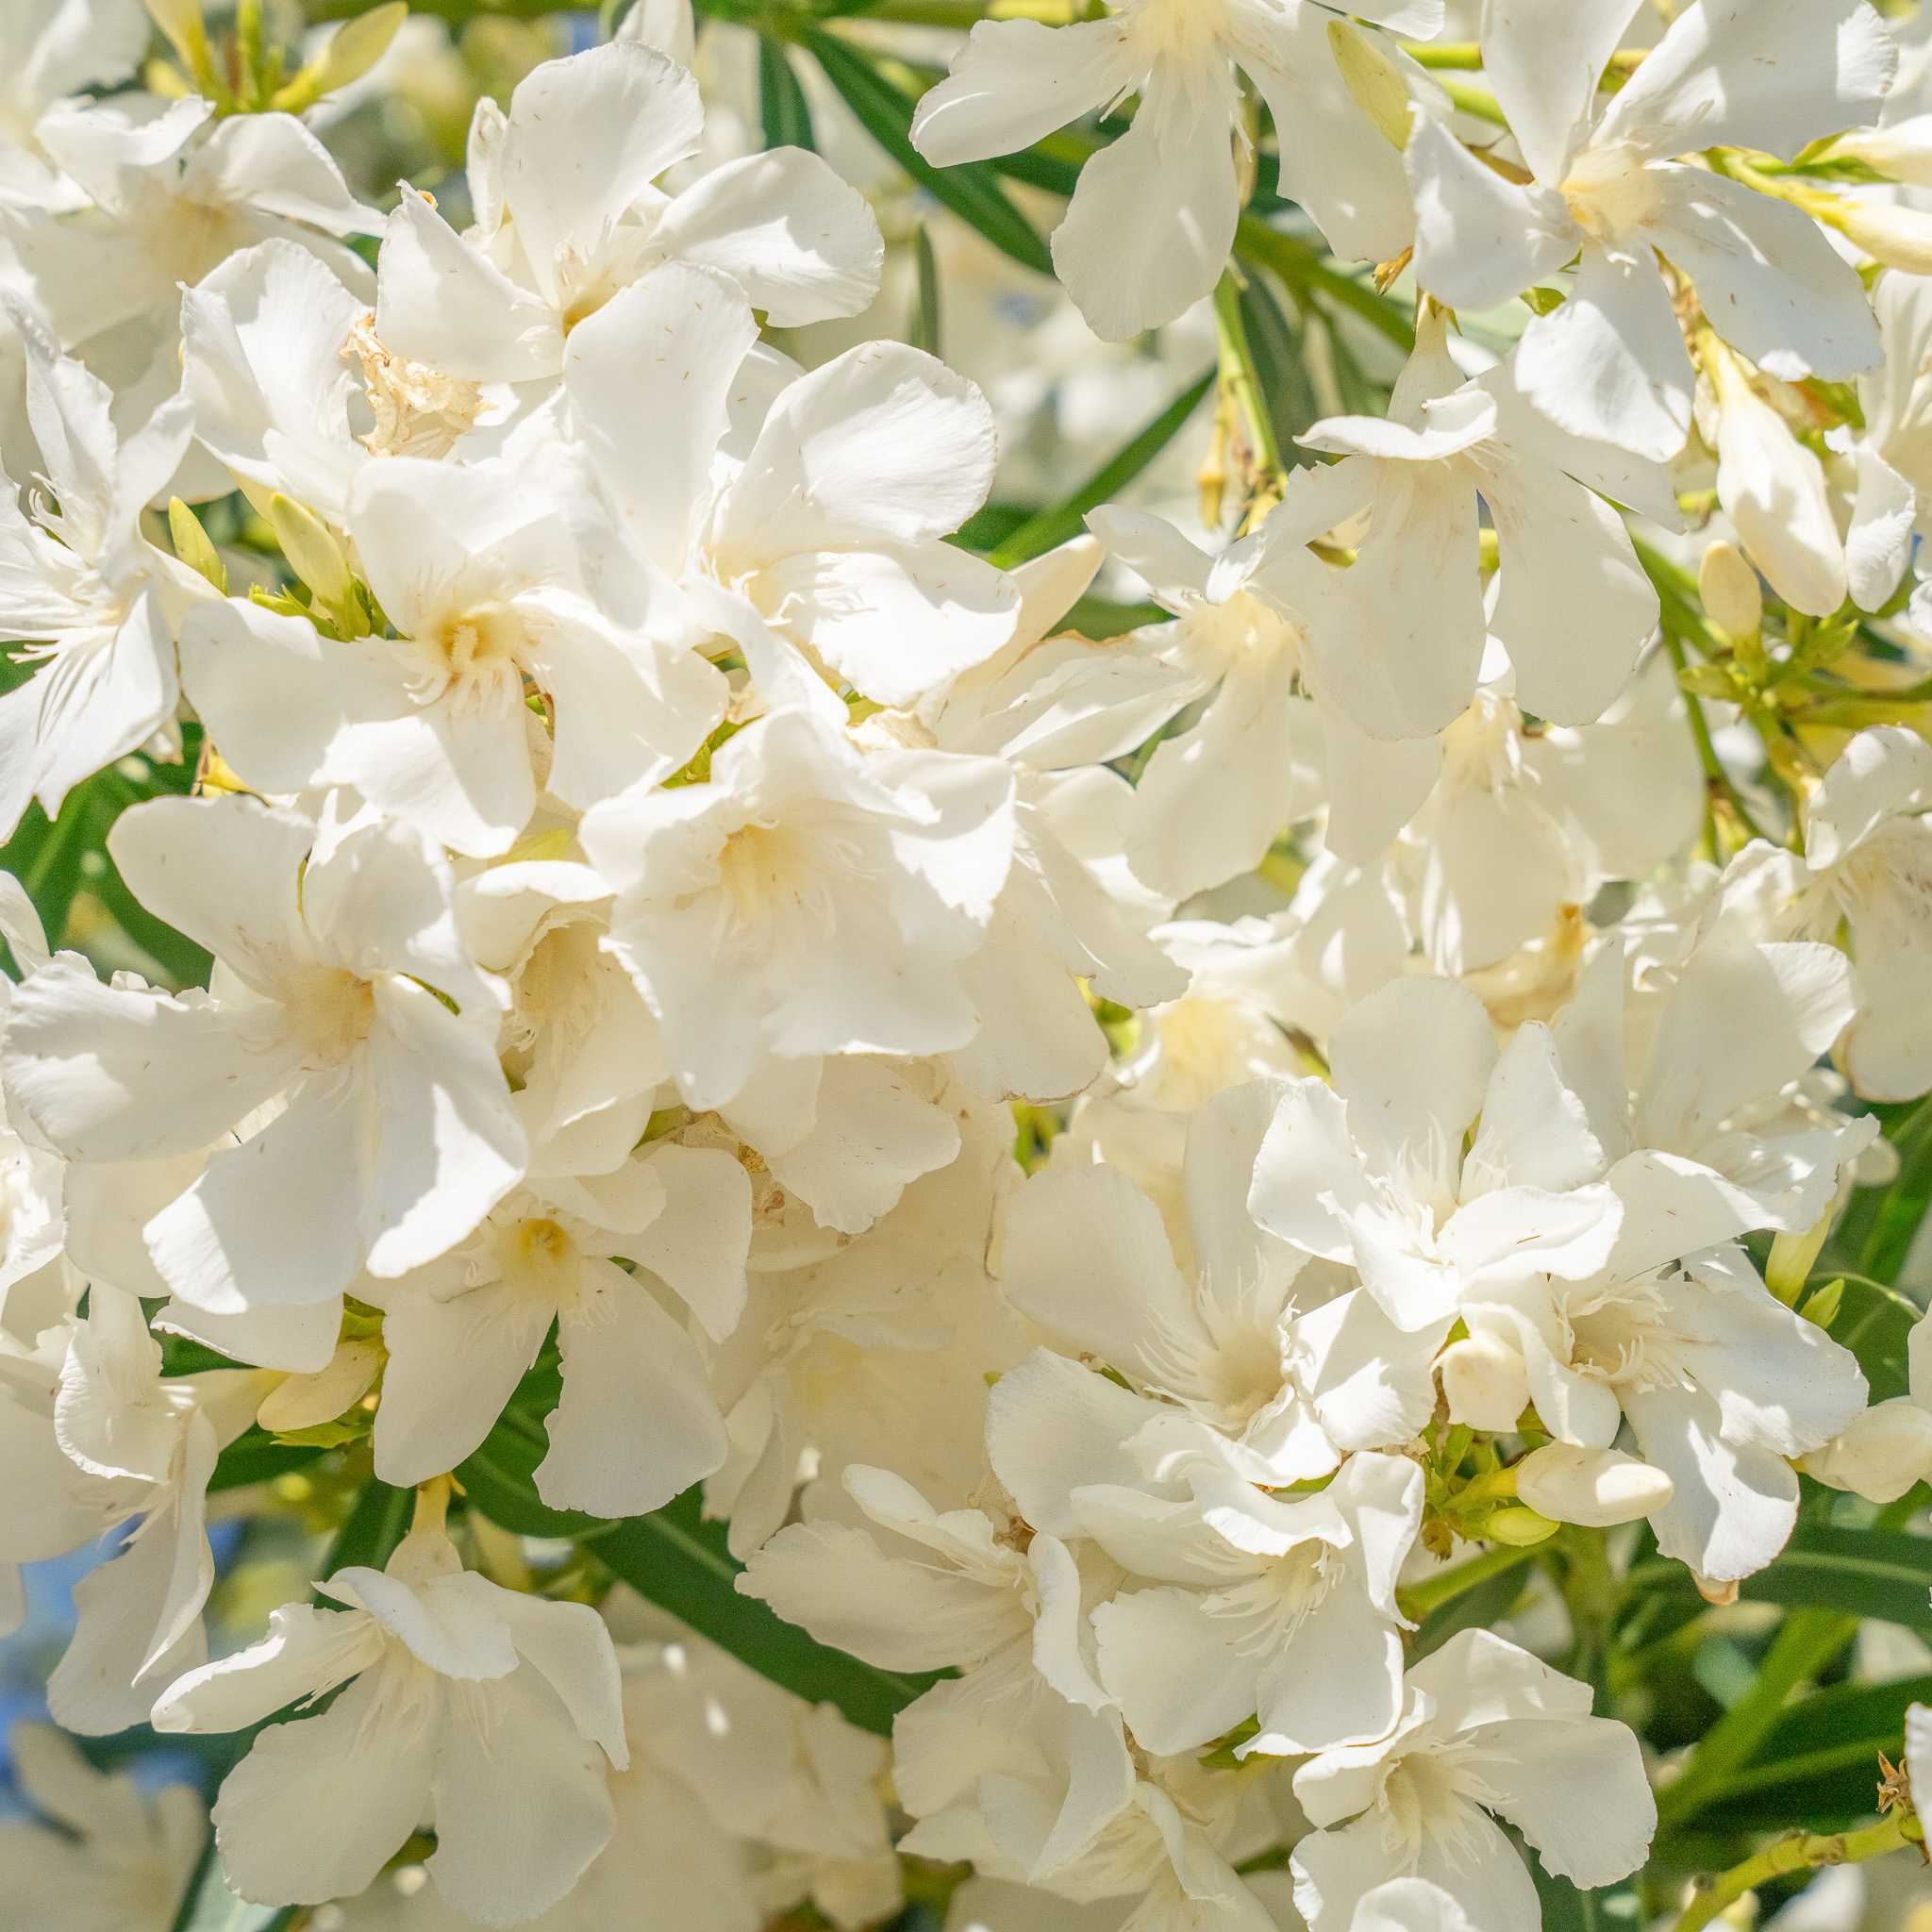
{"points": [[303, 1401], [1484, 1383], [193, 545], [1596, 1487], [1733, 598], [313, 554], [1880, 1455], [1902, 150], [1372, 78], [354, 48], [1899, 237], [1521, 1529]]}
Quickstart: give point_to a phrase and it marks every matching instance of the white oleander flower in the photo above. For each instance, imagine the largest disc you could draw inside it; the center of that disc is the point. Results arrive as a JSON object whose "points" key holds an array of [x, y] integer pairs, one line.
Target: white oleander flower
{"points": [[1609, 182], [637, 1422], [97, 604], [1374, 1171], [162, 192], [816, 550], [489, 1714], [1574, 606], [807, 899], [568, 215], [346, 1061], [433, 728], [1152, 222], [1488, 1732]]}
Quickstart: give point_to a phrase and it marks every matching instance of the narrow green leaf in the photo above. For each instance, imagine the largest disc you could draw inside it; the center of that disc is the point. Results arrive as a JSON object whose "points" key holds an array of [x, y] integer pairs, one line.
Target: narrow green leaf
{"points": [[255, 1456], [1876, 1231], [926, 332], [972, 191], [782, 105], [1478, 1609], [500, 1478], [1039, 533], [1820, 1760], [377, 1523], [209, 1905], [680, 1562], [1280, 368], [1874, 1322], [1883, 1573]]}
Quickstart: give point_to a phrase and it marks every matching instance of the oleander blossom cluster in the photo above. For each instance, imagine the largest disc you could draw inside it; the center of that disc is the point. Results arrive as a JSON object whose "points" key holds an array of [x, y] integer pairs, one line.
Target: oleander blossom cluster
{"points": [[652, 866]]}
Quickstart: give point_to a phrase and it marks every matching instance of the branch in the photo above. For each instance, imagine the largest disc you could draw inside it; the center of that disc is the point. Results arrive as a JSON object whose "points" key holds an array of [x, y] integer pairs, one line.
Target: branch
{"points": [[1801, 1851]]}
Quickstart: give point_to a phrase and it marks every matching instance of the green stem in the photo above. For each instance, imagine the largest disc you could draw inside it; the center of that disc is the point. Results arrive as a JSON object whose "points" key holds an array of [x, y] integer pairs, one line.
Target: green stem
{"points": [[1802, 1851], [1301, 266], [1242, 382], [1805, 1644], [1056, 524], [1445, 1586]]}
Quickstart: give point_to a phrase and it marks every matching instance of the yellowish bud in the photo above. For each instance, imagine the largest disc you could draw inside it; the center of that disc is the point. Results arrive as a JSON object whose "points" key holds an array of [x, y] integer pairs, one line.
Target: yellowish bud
{"points": [[1899, 237], [303, 1402], [193, 545], [356, 46], [1733, 598], [1521, 1529], [184, 29], [313, 554], [1373, 78], [1791, 1256]]}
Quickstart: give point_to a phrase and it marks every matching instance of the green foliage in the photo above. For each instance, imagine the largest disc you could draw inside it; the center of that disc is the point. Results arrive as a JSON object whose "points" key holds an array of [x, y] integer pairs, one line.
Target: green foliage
{"points": [[785, 113], [971, 191]]}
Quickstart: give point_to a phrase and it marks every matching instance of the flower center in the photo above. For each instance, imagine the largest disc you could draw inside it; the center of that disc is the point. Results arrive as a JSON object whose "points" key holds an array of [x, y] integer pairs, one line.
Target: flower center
{"points": [[1242, 629], [419, 411], [331, 1011], [1177, 30], [1622, 1335], [540, 1261], [1610, 191]]}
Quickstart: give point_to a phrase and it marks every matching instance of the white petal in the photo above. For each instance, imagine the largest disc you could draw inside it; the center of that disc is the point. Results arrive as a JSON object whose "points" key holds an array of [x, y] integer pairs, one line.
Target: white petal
{"points": [[318, 1807], [1764, 270], [440, 303], [1747, 73], [1733, 1509], [1610, 363], [1544, 58], [83, 1061], [1880, 773], [305, 1652], [653, 421], [900, 1615], [638, 1423], [452, 1366], [1014, 82], [587, 137], [1575, 607], [894, 624], [1055, 1426], [800, 242], [1479, 239], [515, 1830], [1413, 1061], [884, 444], [1087, 1256], [1148, 230], [450, 1144]]}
